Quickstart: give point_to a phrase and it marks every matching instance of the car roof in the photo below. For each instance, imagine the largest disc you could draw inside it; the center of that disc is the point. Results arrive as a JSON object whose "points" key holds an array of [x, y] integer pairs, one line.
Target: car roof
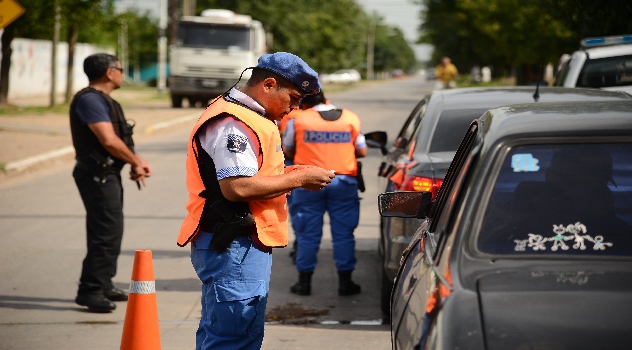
{"points": [[608, 51], [490, 97], [557, 119]]}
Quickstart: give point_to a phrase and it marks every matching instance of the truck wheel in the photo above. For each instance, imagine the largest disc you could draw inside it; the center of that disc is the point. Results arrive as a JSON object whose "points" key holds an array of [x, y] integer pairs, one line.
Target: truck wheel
{"points": [[176, 101]]}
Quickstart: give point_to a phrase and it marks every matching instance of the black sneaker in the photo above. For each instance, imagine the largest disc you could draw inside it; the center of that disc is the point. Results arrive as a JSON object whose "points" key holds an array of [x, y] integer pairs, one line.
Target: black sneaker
{"points": [[95, 302], [115, 294]]}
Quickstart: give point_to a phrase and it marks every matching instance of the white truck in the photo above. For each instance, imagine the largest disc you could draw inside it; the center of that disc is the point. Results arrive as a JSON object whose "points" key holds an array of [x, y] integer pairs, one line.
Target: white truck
{"points": [[210, 52]]}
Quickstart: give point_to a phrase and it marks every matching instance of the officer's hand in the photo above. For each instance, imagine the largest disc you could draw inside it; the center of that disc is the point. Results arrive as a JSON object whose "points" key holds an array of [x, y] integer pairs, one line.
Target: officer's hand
{"points": [[138, 174], [316, 178], [146, 167]]}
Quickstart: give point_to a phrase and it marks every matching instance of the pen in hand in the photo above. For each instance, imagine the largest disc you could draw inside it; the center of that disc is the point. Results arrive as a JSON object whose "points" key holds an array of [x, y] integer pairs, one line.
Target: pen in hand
{"points": [[138, 185]]}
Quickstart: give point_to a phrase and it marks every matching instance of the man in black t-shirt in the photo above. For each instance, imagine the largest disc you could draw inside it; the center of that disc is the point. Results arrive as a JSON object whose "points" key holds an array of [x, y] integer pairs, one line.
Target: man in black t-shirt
{"points": [[103, 144]]}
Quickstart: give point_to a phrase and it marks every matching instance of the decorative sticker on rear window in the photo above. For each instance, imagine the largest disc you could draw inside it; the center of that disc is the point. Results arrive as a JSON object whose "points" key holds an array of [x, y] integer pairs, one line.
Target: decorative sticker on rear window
{"points": [[572, 236], [524, 162]]}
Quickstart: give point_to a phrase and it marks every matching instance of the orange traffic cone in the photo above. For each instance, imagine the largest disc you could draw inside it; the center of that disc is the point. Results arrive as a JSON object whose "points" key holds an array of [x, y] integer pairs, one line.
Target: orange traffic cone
{"points": [[141, 330]]}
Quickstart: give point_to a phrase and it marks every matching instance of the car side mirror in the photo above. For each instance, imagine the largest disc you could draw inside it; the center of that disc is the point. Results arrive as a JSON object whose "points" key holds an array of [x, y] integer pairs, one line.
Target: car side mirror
{"points": [[377, 139], [405, 204]]}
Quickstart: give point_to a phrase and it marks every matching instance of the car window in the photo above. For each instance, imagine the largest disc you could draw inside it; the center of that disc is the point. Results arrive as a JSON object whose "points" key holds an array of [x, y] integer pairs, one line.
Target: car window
{"points": [[451, 127], [465, 146], [605, 72], [408, 130], [452, 195], [561, 199], [561, 75]]}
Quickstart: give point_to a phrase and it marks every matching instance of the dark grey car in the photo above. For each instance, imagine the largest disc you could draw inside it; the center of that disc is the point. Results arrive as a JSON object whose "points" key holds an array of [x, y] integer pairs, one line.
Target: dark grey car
{"points": [[422, 151], [529, 242]]}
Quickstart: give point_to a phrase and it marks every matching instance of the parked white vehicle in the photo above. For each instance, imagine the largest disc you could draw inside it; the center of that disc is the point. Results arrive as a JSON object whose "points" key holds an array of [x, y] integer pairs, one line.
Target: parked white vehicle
{"points": [[603, 62], [342, 76]]}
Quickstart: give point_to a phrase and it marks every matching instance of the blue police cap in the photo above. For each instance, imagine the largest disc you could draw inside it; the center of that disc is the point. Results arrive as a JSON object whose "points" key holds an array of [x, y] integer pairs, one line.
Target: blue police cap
{"points": [[293, 68]]}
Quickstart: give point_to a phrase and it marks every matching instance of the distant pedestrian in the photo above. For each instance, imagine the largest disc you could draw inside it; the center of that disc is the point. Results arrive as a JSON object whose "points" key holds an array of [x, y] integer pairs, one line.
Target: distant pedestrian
{"points": [[446, 72], [237, 210], [325, 136], [103, 144]]}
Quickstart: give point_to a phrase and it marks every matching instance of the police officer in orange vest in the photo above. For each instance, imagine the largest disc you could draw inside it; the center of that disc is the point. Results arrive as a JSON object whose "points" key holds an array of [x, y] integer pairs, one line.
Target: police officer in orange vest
{"points": [[237, 210], [329, 138]]}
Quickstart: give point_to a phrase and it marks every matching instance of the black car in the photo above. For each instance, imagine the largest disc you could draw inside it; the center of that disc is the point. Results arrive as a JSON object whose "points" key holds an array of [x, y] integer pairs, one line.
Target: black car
{"points": [[422, 151], [529, 242]]}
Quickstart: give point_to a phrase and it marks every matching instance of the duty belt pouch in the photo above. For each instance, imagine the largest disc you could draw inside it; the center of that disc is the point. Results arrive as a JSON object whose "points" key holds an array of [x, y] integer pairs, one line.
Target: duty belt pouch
{"points": [[230, 227]]}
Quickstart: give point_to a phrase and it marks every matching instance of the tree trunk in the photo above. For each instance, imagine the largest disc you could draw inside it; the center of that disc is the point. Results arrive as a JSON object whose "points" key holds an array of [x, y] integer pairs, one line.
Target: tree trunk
{"points": [[72, 41], [53, 71], [5, 64]]}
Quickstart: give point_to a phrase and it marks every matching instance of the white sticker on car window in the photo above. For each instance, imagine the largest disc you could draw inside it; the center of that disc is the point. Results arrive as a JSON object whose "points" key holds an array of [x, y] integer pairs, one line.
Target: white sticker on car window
{"points": [[572, 236], [524, 162]]}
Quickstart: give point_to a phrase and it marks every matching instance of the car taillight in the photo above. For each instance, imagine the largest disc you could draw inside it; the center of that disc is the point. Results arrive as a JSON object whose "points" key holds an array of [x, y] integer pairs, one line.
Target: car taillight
{"points": [[421, 184]]}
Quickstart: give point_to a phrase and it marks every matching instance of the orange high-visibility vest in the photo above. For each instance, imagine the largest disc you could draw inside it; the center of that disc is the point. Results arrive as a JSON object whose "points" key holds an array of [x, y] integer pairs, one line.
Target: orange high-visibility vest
{"points": [[327, 144], [286, 119], [270, 214]]}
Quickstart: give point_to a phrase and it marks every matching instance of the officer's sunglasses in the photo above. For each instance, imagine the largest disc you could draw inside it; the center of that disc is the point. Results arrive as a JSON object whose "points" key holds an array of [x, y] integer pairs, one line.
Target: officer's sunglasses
{"points": [[118, 69]]}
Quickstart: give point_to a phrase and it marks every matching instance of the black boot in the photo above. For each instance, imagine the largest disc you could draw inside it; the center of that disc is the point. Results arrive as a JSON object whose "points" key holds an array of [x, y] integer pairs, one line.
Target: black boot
{"points": [[304, 284], [346, 285]]}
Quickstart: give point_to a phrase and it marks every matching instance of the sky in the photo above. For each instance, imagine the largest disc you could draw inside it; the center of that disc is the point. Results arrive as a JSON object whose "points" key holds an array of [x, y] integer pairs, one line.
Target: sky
{"points": [[403, 14], [398, 13]]}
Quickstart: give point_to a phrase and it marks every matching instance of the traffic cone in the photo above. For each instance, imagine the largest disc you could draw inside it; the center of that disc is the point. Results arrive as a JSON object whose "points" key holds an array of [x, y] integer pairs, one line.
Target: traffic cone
{"points": [[141, 331]]}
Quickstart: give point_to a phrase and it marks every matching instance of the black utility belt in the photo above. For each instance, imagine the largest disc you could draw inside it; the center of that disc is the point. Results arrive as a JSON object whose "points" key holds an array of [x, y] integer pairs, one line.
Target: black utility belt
{"points": [[96, 167]]}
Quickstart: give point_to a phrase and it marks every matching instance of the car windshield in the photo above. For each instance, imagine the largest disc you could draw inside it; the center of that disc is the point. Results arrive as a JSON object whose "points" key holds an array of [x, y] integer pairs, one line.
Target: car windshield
{"points": [[606, 72], [450, 128], [213, 36], [561, 199]]}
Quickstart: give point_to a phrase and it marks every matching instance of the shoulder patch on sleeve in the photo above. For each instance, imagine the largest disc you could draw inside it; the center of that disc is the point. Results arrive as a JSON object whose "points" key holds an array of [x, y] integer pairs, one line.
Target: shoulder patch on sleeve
{"points": [[236, 143]]}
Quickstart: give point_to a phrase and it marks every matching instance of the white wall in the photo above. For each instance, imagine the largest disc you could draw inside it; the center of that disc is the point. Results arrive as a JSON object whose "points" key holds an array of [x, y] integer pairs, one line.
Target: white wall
{"points": [[30, 73]]}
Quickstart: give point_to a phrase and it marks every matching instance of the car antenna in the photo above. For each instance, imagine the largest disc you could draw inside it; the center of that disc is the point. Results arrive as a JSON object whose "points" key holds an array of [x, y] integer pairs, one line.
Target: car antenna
{"points": [[536, 95]]}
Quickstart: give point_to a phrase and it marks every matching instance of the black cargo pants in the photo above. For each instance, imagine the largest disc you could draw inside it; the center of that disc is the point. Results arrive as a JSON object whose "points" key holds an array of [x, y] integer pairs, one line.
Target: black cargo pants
{"points": [[102, 198]]}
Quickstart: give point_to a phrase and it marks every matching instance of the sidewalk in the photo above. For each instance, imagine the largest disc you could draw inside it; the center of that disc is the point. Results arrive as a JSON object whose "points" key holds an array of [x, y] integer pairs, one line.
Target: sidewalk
{"points": [[36, 138]]}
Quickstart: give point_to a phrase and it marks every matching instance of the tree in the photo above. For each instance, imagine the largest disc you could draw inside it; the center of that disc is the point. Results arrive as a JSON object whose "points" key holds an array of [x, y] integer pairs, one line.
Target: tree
{"points": [[88, 15], [392, 51], [35, 23], [513, 34], [329, 35]]}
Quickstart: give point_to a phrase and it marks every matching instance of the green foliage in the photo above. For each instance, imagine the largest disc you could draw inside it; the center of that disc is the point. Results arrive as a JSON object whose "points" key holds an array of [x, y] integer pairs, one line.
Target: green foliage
{"points": [[508, 34], [36, 22], [327, 34], [142, 37], [391, 50]]}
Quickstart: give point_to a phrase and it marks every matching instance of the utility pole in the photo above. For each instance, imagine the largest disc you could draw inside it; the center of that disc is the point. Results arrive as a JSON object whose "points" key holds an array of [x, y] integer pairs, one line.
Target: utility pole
{"points": [[188, 7], [53, 71], [173, 17], [123, 48], [162, 48], [370, 48]]}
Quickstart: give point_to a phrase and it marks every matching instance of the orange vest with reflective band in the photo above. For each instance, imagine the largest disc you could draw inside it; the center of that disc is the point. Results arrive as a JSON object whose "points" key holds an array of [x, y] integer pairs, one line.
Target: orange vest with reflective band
{"points": [[327, 144], [270, 214]]}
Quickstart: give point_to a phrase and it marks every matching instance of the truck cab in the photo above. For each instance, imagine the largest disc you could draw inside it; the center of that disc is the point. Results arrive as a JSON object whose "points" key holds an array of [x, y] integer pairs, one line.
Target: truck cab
{"points": [[210, 53]]}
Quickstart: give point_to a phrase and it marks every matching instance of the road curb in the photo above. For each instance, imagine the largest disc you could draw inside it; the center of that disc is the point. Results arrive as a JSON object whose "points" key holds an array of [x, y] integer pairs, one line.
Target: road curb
{"points": [[25, 163]]}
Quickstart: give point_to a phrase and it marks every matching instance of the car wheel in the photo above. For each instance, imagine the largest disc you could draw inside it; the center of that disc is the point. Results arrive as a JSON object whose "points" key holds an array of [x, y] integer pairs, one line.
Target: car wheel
{"points": [[385, 298]]}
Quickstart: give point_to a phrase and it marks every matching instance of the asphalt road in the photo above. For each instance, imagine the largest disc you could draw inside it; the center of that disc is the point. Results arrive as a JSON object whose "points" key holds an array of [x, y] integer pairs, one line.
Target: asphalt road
{"points": [[43, 244]]}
